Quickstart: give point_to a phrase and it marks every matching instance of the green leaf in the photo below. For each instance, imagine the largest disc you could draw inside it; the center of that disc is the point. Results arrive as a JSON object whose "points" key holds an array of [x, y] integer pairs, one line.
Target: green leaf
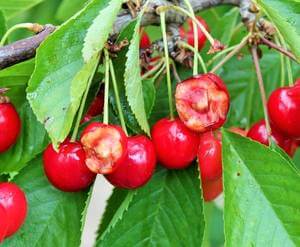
{"points": [[32, 141], [15, 78], [168, 211], [262, 197], [133, 80], [53, 218], [286, 17], [12, 7], [98, 32], [2, 24], [68, 8], [60, 76], [149, 93]]}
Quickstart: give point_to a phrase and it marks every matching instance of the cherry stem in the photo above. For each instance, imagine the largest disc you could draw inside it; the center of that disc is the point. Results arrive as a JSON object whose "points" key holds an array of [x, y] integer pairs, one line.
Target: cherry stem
{"points": [[262, 89], [195, 31], [159, 72], [34, 27], [197, 55], [175, 73], [236, 49], [154, 69], [282, 65], [106, 88], [81, 108], [166, 50], [116, 91], [282, 50], [219, 54]]}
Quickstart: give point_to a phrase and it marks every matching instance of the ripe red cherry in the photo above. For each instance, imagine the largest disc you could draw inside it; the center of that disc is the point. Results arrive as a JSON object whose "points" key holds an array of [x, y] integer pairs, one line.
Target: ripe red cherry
{"points": [[258, 132], [202, 102], [3, 223], [176, 146], [188, 34], [96, 107], [284, 110], [66, 169], [105, 147], [13, 199], [210, 156], [10, 126], [139, 165], [145, 41], [211, 189]]}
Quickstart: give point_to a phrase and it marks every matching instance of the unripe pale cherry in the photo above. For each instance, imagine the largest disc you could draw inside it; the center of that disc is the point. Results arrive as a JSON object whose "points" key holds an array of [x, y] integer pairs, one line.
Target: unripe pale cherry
{"points": [[138, 166], [105, 147], [202, 102]]}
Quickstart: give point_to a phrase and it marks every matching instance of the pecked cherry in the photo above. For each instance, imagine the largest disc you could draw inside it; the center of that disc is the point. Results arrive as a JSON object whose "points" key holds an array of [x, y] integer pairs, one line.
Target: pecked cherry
{"points": [[66, 169], [105, 147], [10, 125], [211, 189], [145, 41], [188, 34], [176, 146], [13, 200], [202, 102], [210, 156], [138, 166], [258, 132], [3, 223], [284, 110]]}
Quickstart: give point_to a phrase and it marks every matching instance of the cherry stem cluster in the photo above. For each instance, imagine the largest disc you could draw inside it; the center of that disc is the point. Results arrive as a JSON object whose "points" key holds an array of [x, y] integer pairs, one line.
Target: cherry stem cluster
{"points": [[154, 69], [167, 60], [262, 89]]}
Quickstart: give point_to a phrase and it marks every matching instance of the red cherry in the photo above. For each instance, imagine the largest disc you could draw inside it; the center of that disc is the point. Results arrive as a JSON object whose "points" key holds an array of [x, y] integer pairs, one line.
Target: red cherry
{"points": [[189, 34], [210, 156], [105, 147], [202, 102], [211, 189], [10, 126], [145, 41], [176, 146], [139, 165], [13, 199], [258, 132], [66, 169], [3, 223], [96, 107], [284, 110]]}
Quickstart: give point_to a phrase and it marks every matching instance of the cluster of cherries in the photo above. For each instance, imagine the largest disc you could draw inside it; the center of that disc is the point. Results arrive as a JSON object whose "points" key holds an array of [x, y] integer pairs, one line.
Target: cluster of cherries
{"points": [[202, 103]]}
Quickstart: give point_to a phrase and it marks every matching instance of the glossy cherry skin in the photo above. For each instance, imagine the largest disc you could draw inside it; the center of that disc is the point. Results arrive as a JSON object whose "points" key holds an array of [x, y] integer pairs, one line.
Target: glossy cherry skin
{"points": [[211, 189], [176, 146], [13, 199], [188, 34], [3, 223], [10, 126], [284, 110], [258, 132], [210, 156], [66, 169], [202, 102], [105, 147], [145, 41], [139, 165]]}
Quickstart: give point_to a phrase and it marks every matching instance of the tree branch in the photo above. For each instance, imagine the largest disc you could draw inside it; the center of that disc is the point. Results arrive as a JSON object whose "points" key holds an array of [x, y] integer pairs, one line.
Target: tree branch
{"points": [[25, 49]]}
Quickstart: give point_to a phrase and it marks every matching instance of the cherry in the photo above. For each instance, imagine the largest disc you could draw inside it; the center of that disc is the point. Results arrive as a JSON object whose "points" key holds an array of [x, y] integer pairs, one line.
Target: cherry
{"points": [[105, 147], [258, 132], [210, 156], [139, 165], [13, 199], [211, 189], [96, 107], [10, 126], [284, 110], [66, 169], [145, 41], [189, 34], [202, 102], [176, 146], [3, 223]]}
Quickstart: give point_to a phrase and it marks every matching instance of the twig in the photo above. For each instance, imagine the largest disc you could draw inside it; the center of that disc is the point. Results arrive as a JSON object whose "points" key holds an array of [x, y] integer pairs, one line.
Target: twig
{"points": [[271, 44]]}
